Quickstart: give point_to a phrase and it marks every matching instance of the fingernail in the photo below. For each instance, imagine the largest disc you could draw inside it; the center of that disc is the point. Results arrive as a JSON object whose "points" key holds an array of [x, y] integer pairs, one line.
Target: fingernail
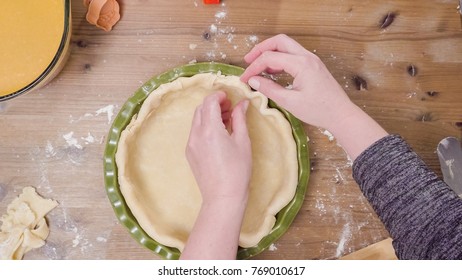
{"points": [[246, 105], [254, 83]]}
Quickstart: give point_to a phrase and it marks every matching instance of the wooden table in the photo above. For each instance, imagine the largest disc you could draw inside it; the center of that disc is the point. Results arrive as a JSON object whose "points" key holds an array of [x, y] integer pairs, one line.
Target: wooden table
{"points": [[406, 75]]}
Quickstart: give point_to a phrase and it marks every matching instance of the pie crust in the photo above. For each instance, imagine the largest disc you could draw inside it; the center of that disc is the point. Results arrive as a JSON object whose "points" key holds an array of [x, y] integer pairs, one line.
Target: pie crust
{"points": [[154, 175]]}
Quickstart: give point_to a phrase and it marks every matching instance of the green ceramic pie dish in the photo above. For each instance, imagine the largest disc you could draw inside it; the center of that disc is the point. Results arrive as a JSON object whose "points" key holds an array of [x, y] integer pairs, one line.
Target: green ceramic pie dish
{"points": [[283, 219]]}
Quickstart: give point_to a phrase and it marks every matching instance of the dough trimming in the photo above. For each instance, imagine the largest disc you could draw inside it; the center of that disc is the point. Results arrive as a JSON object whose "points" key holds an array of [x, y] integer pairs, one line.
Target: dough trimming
{"points": [[24, 226]]}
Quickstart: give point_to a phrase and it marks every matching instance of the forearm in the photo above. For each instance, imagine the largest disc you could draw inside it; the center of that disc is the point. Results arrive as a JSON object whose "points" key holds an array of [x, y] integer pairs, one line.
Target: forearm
{"points": [[216, 232], [354, 130], [422, 214]]}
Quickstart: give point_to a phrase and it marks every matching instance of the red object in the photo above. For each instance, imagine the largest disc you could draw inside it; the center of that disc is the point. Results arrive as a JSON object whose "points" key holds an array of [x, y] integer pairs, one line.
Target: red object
{"points": [[211, 1]]}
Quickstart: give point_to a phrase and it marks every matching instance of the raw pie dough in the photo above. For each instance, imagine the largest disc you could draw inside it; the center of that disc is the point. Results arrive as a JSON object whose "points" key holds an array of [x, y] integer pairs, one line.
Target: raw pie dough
{"points": [[156, 180], [23, 226]]}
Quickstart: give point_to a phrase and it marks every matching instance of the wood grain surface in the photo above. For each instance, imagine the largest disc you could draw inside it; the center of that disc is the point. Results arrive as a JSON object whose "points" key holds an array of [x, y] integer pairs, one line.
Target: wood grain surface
{"points": [[401, 61], [382, 250]]}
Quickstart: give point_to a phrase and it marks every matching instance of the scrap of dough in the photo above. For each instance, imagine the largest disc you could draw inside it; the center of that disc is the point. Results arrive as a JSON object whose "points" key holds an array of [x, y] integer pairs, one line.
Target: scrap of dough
{"points": [[24, 226], [154, 175]]}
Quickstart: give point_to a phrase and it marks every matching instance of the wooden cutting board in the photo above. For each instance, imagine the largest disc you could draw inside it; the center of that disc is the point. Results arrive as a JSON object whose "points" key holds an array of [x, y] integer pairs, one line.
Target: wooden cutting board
{"points": [[382, 250]]}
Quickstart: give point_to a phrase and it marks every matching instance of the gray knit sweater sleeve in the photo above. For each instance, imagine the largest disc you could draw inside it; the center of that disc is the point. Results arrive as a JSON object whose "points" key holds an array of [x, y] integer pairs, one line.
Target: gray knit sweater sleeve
{"points": [[422, 214]]}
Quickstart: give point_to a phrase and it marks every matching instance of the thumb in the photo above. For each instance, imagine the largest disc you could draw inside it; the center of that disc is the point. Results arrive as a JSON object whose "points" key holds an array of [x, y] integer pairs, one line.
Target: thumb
{"points": [[271, 90], [238, 123]]}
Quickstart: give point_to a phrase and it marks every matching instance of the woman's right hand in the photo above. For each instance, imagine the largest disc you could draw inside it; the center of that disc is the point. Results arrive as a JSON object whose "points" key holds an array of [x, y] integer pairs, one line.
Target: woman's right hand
{"points": [[315, 98]]}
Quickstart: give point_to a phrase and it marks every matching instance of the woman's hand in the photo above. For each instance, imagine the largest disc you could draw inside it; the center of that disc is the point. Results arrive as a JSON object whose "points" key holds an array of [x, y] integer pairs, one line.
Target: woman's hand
{"points": [[222, 164], [220, 161], [315, 98]]}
